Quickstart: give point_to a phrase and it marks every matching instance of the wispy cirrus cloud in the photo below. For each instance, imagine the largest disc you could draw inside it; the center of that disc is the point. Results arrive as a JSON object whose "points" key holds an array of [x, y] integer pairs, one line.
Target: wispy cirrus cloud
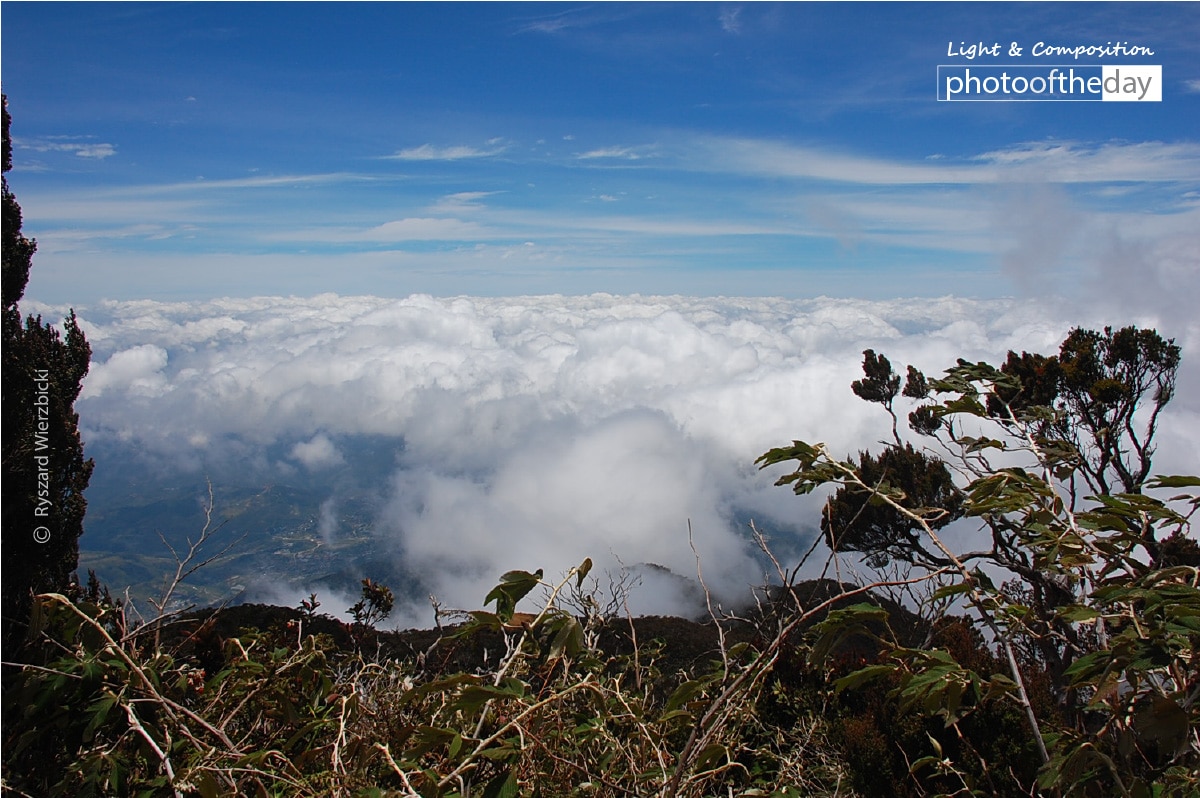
{"points": [[1054, 161], [424, 229], [584, 17], [410, 228], [784, 203], [80, 146], [268, 181], [1078, 162], [757, 157], [570, 225], [430, 152], [731, 20], [206, 185], [461, 201], [619, 153]]}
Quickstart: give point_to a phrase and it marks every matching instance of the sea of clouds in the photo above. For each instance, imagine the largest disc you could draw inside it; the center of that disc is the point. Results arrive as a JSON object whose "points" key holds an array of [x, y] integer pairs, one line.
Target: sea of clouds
{"points": [[533, 432]]}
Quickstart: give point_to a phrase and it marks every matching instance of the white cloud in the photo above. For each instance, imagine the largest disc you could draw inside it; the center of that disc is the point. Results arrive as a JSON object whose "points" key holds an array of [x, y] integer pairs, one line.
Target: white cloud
{"points": [[424, 229], [461, 201], [95, 151], [327, 520], [429, 152], [328, 231], [82, 147], [619, 153], [1075, 162], [136, 372], [556, 22], [625, 487], [1069, 162], [536, 431], [731, 20], [317, 454], [264, 181]]}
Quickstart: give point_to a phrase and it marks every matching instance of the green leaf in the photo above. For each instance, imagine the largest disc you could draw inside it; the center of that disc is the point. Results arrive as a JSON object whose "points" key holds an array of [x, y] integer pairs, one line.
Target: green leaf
{"points": [[1163, 721], [502, 752], [568, 640], [99, 711], [953, 699], [862, 676], [946, 591], [1076, 613], [582, 571], [737, 649], [965, 404], [842, 624], [513, 587], [1173, 482], [803, 452], [979, 444], [474, 696], [924, 762], [430, 738], [709, 754], [686, 692], [1087, 667], [1000, 685], [982, 580], [503, 786], [206, 785]]}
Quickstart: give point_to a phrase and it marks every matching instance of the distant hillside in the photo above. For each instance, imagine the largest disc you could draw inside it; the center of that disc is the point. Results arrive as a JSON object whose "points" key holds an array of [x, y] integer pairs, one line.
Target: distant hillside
{"points": [[686, 645]]}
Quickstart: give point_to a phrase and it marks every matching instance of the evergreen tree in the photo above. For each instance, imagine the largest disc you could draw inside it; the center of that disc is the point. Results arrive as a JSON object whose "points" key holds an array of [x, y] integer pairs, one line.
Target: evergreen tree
{"points": [[45, 473]]}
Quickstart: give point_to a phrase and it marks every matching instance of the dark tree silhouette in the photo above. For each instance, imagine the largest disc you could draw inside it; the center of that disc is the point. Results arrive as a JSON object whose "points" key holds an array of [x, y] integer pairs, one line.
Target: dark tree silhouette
{"points": [[857, 520], [1083, 402], [1092, 409], [45, 473], [1105, 379]]}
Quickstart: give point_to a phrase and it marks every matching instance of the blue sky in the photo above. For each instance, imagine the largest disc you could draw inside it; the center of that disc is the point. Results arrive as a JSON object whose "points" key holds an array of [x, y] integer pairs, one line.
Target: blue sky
{"points": [[189, 151]]}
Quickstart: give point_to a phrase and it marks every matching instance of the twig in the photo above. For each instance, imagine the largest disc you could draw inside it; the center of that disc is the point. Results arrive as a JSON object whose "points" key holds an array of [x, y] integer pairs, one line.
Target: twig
{"points": [[145, 735], [469, 761], [703, 728]]}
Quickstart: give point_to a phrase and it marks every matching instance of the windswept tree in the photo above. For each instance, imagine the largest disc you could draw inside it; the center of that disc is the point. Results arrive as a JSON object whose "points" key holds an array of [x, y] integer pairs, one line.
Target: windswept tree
{"points": [[1050, 459], [1091, 412], [856, 518], [45, 473]]}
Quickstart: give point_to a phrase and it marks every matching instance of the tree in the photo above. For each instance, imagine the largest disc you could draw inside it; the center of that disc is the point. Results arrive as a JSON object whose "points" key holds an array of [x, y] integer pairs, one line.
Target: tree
{"points": [[1078, 409], [45, 473], [1097, 384], [856, 519], [1051, 458]]}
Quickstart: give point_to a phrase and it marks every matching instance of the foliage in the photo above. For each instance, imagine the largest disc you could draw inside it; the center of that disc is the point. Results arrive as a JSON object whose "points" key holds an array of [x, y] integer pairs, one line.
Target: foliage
{"points": [[45, 473], [857, 519], [112, 708], [375, 605], [1105, 379], [1103, 599]]}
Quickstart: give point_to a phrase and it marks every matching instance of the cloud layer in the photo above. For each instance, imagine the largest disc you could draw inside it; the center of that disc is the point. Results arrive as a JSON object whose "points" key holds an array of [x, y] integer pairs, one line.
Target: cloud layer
{"points": [[533, 432], [632, 214]]}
